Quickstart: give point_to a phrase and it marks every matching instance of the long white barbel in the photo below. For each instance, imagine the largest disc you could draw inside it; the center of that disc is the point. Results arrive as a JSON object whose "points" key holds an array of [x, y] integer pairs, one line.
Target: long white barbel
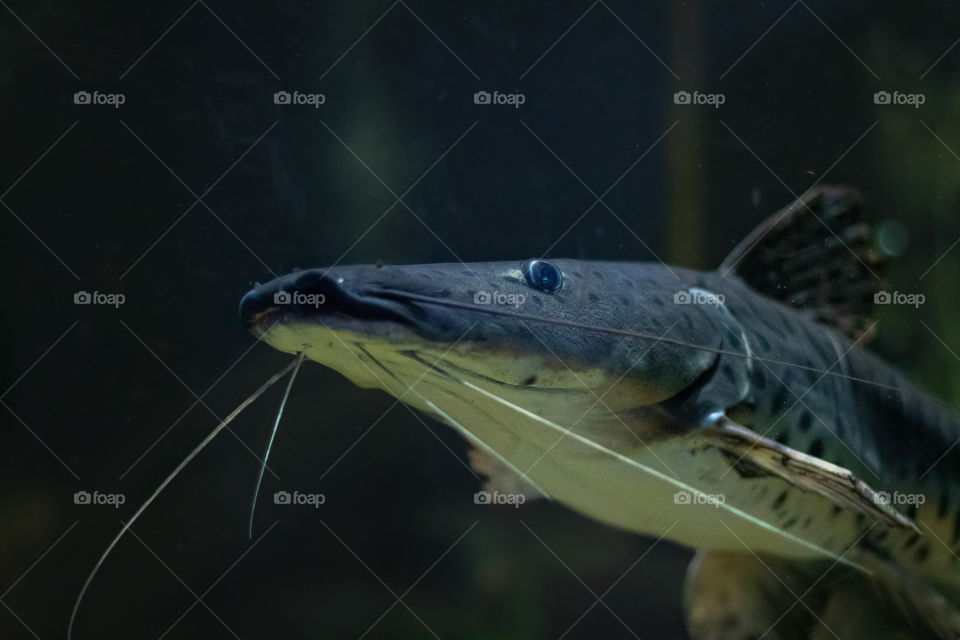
{"points": [[273, 434], [193, 454]]}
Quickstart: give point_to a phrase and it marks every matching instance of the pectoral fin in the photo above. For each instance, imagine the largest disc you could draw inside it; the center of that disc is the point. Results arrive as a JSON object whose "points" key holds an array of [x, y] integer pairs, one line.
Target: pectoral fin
{"points": [[904, 602], [739, 596], [499, 477], [837, 484]]}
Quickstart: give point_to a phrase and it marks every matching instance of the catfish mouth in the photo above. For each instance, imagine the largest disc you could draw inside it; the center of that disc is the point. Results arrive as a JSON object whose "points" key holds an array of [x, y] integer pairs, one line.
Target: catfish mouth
{"points": [[315, 297]]}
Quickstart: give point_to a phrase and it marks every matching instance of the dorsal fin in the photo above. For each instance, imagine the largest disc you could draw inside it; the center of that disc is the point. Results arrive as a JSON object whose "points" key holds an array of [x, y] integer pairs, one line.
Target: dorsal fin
{"points": [[817, 254]]}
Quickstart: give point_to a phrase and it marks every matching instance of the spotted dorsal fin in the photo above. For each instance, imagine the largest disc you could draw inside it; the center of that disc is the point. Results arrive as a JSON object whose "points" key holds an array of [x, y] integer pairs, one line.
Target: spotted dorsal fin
{"points": [[817, 254]]}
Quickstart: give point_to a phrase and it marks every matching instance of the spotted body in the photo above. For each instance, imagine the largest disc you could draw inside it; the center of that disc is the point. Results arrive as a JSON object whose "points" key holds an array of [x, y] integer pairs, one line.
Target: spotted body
{"points": [[635, 392]]}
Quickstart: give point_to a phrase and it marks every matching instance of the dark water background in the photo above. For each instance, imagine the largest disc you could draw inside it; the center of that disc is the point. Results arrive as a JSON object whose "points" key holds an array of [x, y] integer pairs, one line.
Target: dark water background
{"points": [[110, 206]]}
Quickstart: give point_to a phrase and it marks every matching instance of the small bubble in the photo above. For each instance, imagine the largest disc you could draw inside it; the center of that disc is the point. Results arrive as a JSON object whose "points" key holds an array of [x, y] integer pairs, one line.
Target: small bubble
{"points": [[893, 237]]}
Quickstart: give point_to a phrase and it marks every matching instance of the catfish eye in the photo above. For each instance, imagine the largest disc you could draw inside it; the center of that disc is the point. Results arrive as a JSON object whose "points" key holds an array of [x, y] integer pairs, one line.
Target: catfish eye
{"points": [[542, 275]]}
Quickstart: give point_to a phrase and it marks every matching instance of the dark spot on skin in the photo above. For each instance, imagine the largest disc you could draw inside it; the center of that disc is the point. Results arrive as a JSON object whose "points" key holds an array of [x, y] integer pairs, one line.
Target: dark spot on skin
{"points": [[762, 341], [816, 448], [860, 519], [789, 523], [727, 372], [922, 552], [446, 293], [806, 419], [788, 378], [912, 540], [598, 275], [783, 438], [807, 521], [594, 297], [745, 468], [780, 400], [658, 302], [879, 552], [729, 620], [625, 301], [880, 537], [780, 500], [530, 380], [835, 511]]}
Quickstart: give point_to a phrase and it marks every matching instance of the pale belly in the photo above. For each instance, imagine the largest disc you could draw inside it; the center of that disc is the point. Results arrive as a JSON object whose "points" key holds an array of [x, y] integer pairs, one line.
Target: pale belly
{"points": [[674, 488], [659, 490]]}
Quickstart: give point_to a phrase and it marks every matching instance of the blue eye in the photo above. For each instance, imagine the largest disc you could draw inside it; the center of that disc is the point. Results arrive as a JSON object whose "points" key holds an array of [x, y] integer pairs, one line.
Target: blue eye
{"points": [[542, 275]]}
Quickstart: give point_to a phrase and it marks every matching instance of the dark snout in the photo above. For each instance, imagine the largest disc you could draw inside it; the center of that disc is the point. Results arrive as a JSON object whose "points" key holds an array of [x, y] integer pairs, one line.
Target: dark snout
{"points": [[318, 295]]}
